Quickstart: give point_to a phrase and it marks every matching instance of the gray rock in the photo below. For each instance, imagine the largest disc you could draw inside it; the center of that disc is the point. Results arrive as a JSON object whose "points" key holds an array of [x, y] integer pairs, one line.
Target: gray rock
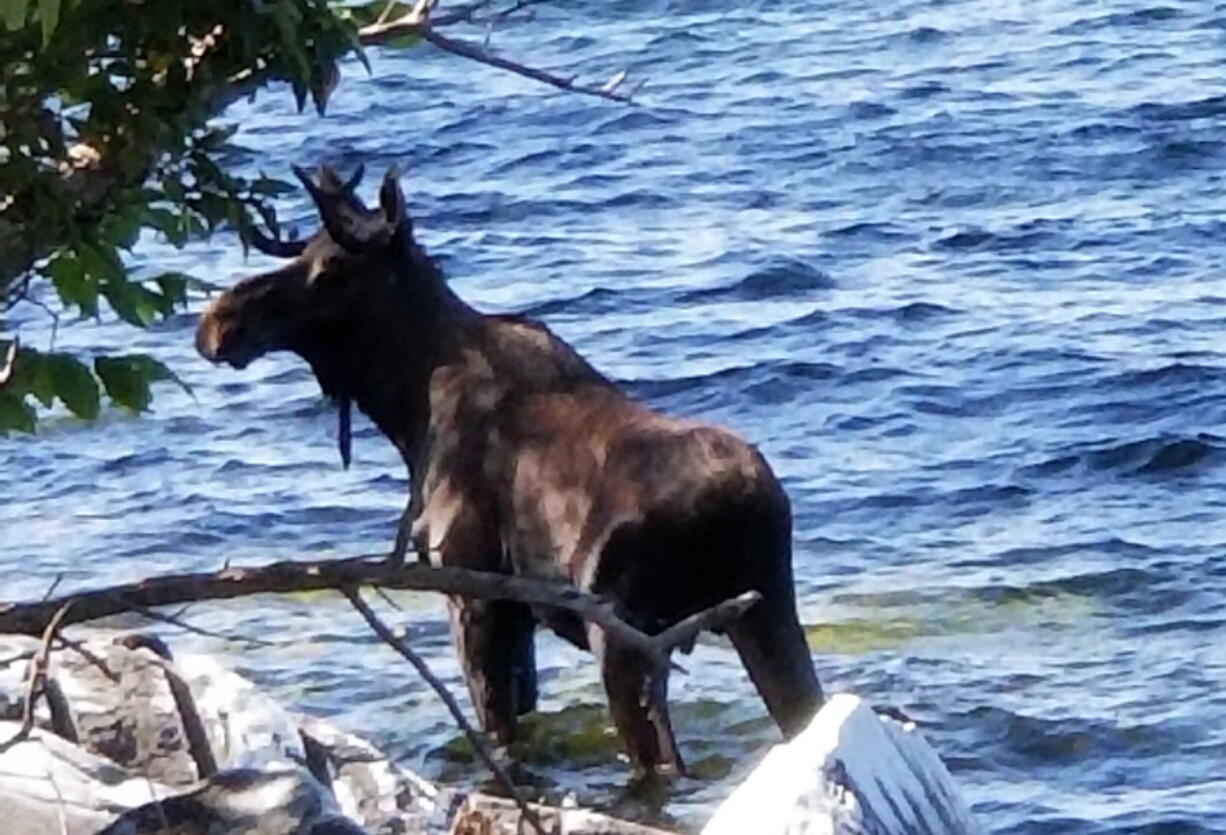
{"points": [[242, 802]]}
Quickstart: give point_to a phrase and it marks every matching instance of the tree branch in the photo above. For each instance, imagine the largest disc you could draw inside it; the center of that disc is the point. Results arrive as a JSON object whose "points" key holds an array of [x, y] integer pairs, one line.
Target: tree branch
{"points": [[90, 185], [31, 618], [38, 676], [478, 742], [476, 53]]}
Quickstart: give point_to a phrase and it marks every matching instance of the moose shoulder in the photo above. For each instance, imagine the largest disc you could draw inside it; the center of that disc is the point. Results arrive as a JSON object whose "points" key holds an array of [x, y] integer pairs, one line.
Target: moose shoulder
{"points": [[524, 459]]}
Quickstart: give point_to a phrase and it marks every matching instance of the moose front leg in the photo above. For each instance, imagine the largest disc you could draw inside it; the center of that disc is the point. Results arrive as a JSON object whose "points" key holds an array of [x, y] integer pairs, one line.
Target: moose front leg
{"points": [[494, 641]]}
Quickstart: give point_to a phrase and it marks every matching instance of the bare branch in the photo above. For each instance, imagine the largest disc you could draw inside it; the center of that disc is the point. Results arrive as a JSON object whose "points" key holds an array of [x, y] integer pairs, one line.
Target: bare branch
{"points": [[38, 675], [31, 618], [91, 659], [10, 361], [418, 22], [683, 633], [478, 742], [177, 620], [479, 55]]}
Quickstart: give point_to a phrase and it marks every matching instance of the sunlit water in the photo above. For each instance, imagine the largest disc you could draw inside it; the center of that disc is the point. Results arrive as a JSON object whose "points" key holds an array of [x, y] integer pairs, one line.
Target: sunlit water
{"points": [[953, 265]]}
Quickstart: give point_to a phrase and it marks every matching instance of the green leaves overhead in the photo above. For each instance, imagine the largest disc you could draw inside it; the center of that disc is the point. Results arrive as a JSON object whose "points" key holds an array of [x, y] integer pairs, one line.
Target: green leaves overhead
{"points": [[48, 378], [51, 377], [112, 132]]}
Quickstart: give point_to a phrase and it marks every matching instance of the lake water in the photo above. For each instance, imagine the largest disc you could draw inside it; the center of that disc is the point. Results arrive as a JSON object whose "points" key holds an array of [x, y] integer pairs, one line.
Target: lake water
{"points": [[953, 265]]}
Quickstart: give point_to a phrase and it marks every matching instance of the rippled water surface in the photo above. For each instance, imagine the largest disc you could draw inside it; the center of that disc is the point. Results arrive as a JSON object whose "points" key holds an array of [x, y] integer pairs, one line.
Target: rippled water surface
{"points": [[953, 265]]}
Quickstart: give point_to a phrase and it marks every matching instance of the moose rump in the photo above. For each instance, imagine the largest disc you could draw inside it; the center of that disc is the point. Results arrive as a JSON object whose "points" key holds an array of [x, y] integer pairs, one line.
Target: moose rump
{"points": [[524, 459]]}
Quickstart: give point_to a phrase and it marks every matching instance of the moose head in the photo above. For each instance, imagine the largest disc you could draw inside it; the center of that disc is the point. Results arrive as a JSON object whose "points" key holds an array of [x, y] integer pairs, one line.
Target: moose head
{"points": [[359, 300], [355, 259]]}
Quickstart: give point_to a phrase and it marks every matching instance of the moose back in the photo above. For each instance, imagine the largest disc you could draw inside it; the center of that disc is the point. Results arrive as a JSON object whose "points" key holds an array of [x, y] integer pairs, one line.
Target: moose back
{"points": [[525, 460]]}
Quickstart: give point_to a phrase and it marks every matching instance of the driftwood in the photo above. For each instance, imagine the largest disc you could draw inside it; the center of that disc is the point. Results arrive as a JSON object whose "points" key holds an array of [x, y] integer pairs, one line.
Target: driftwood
{"points": [[32, 618]]}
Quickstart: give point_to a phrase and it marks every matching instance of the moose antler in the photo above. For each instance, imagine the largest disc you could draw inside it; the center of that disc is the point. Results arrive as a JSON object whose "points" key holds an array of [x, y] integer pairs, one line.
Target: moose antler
{"points": [[346, 218]]}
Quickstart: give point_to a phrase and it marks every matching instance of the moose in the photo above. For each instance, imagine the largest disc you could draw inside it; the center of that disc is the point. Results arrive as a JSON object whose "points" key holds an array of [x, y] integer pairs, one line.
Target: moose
{"points": [[524, 459]]}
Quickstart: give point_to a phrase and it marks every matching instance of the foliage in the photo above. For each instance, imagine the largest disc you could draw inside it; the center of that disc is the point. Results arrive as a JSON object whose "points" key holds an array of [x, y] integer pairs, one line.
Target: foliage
{"points": [[105, 131]]}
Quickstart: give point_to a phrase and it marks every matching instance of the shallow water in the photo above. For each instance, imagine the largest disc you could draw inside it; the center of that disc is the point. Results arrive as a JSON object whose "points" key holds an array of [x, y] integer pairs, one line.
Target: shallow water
{"points": [[953, 265]]}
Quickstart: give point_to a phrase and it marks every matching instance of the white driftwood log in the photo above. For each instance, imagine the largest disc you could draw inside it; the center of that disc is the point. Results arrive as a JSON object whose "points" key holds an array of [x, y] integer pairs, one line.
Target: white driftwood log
{"points": [[851, 772]]}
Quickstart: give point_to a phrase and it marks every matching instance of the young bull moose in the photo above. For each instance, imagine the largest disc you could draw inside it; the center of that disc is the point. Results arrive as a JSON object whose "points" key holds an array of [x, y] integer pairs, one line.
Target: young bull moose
{"points": [[526, 460]]}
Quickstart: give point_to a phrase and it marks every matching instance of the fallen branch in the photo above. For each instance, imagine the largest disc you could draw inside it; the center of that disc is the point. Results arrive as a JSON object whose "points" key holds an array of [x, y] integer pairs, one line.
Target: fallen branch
{"points": [[478, 742], [32, 618], [38, 677]]}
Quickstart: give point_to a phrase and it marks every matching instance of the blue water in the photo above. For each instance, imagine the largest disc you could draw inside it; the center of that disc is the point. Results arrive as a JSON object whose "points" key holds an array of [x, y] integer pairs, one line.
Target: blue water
{"points": [[953, 265]]}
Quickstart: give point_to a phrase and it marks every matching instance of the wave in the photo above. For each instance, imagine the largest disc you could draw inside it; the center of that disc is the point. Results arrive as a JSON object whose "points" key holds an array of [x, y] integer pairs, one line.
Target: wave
{"points": [[781, 278], [1149, 456]]}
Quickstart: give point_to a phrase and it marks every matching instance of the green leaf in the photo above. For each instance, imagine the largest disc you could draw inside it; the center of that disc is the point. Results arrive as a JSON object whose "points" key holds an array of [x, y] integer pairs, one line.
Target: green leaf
{"points": [[134, 304], [127, 379], [74, 385], [168, 223], [73, 285], [174, 289], [15, 414], [122, 227], [14, 13], [49, 14], [32, 375]]}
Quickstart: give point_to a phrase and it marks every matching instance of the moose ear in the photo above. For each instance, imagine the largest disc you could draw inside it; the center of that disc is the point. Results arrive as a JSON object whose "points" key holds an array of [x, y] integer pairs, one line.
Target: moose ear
{"points": [[391, 200]]}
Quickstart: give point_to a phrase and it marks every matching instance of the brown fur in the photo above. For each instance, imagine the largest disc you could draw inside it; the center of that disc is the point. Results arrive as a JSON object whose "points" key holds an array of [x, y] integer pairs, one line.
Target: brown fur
{"points": [[525, 459]]}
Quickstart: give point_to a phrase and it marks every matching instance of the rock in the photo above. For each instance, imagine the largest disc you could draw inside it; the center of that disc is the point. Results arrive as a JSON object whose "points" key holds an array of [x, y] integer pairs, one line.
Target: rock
{"points": [[53, 786], [850, 772], [242, 802], [185, 746]]}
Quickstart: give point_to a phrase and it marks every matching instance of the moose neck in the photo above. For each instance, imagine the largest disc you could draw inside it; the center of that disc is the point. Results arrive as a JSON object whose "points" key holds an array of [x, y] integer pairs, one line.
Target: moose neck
{"points": [[384, 357]]}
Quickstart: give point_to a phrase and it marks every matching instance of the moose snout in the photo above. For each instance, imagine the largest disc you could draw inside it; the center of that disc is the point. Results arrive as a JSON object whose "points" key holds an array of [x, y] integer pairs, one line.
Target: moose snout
{"points": [[219, 337], [209, 334]]}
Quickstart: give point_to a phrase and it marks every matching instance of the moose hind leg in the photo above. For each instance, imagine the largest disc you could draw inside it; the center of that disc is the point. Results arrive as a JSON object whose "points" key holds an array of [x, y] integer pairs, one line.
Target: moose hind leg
{"points": [[772, 646], [494, 641], [638, 704]]}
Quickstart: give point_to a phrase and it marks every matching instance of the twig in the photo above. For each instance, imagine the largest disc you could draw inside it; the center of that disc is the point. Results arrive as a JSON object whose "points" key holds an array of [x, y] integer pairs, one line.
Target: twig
{"points": [[52, 313], [685, 631], [93, 660], [418, 23], [55, 584], [387, 598], [381, 629], [38, 674], [175, 620], [10, 361], [476, 53]]}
